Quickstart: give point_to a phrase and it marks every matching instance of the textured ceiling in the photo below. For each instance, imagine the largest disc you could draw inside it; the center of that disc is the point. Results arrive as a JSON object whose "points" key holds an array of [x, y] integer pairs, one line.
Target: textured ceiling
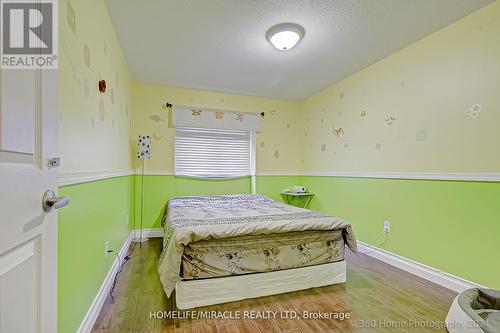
{"points": [[220, 45]]}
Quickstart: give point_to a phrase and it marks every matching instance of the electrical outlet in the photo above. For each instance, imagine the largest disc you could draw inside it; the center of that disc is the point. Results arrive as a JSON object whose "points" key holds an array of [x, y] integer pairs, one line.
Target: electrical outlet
{"points": [[387, 226], [106, 248]]}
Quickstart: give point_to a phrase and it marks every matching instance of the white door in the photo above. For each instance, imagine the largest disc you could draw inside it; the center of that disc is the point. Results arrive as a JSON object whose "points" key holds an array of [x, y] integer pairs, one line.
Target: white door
{"points": [[28, 234]]}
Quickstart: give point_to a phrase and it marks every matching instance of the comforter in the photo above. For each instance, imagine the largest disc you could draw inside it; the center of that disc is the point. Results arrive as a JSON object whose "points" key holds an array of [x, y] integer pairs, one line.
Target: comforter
{"points": [[191, 219]]}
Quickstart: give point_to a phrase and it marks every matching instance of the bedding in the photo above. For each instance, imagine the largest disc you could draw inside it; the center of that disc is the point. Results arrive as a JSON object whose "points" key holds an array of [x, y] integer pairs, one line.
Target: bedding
{"points": [[198, 223], [265, 253]]}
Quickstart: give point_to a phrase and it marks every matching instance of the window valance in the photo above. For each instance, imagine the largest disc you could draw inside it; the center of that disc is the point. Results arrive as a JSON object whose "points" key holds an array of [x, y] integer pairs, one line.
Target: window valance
{"points": [[183, 116]]}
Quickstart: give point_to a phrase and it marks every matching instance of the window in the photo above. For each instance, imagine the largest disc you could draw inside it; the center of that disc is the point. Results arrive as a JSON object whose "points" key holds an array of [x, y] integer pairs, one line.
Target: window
{"points": [[213, 153]]}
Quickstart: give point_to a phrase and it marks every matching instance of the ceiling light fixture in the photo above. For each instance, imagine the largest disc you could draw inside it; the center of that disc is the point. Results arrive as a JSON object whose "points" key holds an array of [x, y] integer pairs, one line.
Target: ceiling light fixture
{"points": [[285, 36]]}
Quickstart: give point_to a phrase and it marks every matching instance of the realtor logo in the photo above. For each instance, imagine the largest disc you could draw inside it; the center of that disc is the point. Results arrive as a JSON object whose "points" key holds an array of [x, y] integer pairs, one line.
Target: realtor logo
{"points": [[29, 34]]}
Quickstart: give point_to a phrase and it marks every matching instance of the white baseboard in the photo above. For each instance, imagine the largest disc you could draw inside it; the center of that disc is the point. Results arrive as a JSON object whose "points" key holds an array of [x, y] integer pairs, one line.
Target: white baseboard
{"points": [[91, 316], [437, 276], [426, 272], [95, 307], [148, 233]]}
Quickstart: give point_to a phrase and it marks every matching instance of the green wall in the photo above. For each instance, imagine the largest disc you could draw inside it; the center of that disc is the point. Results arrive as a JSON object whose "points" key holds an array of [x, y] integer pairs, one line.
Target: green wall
{"points": [[444, 224], [97, 213], [449, 225], [272, 186], [159, 188]]}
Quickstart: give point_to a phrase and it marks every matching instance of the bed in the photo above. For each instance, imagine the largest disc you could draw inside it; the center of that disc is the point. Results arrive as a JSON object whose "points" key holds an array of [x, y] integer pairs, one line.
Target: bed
{"points": [[214, 245]]}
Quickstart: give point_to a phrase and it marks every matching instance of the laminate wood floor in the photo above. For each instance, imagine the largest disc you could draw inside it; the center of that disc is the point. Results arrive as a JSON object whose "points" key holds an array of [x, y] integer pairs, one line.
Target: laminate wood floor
{"points": [[378, 297]]}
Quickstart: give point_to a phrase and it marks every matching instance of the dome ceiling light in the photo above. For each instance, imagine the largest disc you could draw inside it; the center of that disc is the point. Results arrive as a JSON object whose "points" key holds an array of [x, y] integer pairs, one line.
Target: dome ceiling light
{"points": [[285, 36]]}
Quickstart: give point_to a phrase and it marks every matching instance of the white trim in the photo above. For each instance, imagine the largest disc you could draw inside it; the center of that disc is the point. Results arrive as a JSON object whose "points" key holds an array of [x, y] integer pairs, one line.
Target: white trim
{"points": [[91, 316], [426, 272], [172, 173], [278, 173], [437, 276], [71, 178], [148, 233], [477, 177], [253, 165], [155, 173], [486, 177]]}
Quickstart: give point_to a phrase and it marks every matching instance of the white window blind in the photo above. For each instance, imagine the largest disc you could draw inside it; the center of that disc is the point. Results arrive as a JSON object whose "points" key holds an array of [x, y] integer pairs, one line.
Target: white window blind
{"points": [[213, 153]]}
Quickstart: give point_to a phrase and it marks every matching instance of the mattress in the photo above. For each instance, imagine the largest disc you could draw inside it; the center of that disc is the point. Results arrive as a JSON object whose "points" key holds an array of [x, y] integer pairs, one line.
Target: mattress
{"points": [[216, 236], [264, 253]]}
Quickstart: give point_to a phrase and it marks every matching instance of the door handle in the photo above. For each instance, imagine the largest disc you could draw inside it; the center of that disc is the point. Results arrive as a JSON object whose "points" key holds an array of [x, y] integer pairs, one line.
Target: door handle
{"points": [[50, 201]]}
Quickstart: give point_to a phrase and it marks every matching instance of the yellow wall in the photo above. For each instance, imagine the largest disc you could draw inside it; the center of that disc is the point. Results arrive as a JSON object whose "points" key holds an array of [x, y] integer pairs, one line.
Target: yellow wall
{"points": [[91, 138], [93, 127], [428, 88], [406, 113], [281, 123]]}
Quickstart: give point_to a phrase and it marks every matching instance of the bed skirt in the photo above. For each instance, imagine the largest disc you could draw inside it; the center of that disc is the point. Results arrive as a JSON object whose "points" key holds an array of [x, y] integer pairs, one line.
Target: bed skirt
{"points": [[196, 293]]}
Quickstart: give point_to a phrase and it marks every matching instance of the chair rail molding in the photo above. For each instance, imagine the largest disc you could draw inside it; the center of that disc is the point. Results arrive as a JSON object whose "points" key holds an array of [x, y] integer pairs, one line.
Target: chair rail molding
{"points": [[72, 178]]}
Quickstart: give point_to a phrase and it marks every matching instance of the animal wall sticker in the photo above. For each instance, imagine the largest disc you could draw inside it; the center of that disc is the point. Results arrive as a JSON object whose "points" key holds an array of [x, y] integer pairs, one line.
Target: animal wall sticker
{"points": [[86, 55], [156, 118], [389, 121], [473, 111], [158, 127], [102, 86], [157, 137], [219, 115], [71, 17], [195, 112], [363, 114], [338, 132]]}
